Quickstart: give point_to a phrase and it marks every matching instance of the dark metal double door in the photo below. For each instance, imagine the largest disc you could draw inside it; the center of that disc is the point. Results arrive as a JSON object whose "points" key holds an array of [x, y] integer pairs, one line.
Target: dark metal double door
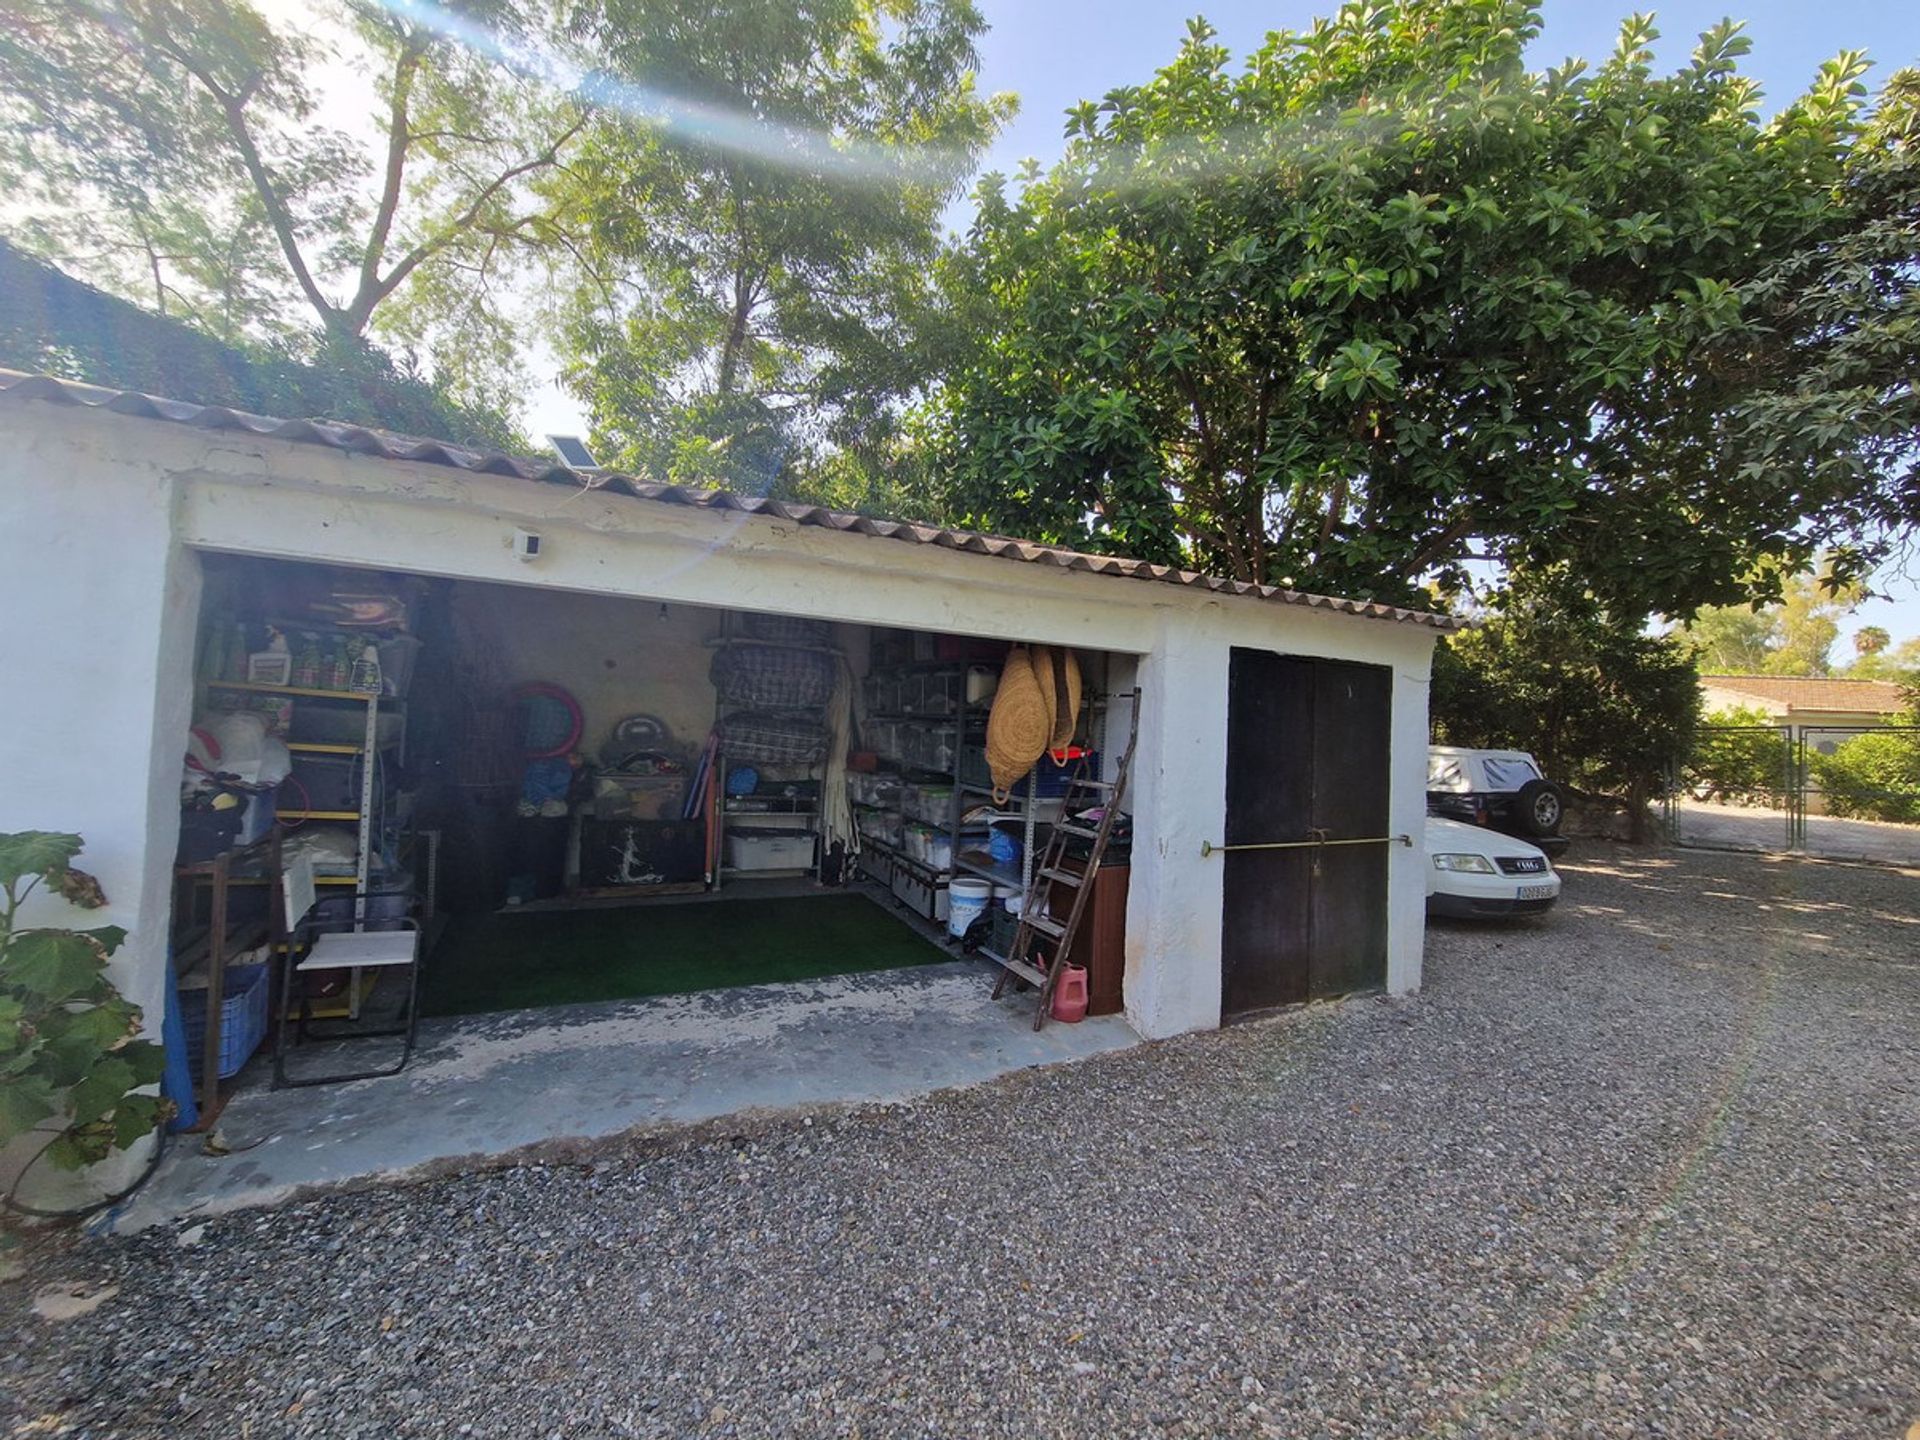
{"points": [[1308, 744]]}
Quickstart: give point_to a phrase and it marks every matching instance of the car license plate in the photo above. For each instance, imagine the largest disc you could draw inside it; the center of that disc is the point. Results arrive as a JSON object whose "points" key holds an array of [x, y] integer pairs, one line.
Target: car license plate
{"points": [[1537, 892]]}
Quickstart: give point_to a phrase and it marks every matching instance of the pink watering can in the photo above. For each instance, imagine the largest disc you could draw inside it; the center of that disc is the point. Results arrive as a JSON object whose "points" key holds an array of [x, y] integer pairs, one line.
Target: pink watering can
{"points": [[1070, 995]]}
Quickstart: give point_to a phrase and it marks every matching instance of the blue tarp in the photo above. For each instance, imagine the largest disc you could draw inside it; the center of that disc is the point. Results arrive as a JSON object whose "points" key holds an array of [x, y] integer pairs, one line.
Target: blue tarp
{"points": [[176, 1080]]}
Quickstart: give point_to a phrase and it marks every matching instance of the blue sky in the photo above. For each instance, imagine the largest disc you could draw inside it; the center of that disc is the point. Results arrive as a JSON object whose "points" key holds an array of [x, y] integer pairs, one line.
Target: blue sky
{"points": [[1054, 53]]}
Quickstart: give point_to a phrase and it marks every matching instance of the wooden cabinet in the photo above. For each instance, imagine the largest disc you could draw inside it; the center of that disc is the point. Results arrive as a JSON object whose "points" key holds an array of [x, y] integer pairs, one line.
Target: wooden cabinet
{"points": [[1101, 945]]}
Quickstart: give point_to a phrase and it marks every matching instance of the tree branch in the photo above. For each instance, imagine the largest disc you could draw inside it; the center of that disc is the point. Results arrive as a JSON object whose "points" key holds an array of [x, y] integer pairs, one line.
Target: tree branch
{"points": [[233, 108], [368, 299], [1437, 548], [399, 140]]}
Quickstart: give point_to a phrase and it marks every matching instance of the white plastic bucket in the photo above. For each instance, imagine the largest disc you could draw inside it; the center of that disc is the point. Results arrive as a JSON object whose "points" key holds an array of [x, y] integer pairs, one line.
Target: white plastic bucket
{"points": [[966, 902]]}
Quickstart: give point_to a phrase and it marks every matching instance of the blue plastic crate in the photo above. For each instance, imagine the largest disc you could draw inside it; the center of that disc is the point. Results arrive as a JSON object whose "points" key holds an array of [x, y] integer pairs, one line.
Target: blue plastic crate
{"points": [[243, 1020], [1051, 778]]}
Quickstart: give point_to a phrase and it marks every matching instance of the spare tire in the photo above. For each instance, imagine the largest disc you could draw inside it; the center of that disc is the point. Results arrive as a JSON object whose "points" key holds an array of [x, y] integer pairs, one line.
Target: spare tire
{"points": [[1537, 806]]}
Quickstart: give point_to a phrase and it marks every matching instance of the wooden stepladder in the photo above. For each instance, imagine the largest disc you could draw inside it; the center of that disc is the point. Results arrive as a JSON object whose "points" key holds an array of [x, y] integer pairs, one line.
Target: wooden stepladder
{"points": [[1042, 942]]}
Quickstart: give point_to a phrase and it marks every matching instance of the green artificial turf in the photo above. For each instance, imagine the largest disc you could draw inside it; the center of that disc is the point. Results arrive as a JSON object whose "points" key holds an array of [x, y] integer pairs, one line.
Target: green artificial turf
{"points": [[562, 957]]}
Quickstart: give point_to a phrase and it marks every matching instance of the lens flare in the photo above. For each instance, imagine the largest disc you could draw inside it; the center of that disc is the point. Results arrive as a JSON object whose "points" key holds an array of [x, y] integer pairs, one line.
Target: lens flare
{"points": [[691, 122]]}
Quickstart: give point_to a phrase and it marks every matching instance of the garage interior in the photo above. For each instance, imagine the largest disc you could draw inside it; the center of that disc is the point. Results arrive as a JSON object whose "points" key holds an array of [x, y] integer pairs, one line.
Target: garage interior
{"points": [[585, 798]]}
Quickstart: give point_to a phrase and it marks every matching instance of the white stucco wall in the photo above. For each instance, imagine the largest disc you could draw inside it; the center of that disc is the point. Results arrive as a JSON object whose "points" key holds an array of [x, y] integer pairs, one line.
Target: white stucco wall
{"points": [[234, 493], [101, 602]]}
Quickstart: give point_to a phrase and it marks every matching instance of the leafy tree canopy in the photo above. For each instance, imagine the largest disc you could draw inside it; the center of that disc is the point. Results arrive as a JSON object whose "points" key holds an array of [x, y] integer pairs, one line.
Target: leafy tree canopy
{"points": [[50, 322], [1599, 702], [1898, 661], [1382, 298], [750, 300], [1793, 636], [175, 150], [1842, 416]]}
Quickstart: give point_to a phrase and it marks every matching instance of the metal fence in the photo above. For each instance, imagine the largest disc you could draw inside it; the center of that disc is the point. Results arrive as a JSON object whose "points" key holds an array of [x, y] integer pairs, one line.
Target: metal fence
{"points": [[1836, 792]]}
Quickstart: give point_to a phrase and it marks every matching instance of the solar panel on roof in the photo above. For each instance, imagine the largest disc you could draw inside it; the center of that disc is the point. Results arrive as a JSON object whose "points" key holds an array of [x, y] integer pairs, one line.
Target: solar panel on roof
{"points": [[573, 451]]}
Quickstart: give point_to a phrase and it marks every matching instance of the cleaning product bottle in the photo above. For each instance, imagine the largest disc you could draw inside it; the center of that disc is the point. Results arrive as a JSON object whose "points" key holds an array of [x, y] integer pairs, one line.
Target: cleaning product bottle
{"points": [[273, 665], [366, 669], [306, 670]]}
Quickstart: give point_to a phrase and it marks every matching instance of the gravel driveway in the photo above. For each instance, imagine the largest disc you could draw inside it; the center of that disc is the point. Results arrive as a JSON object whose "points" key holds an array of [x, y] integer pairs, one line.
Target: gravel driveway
{"points": [[1648, 1168]]}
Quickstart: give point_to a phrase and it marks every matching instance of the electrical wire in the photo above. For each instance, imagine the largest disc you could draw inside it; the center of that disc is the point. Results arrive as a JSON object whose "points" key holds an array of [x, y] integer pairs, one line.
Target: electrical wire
{"points": [[306, 802], [81, 1212]]}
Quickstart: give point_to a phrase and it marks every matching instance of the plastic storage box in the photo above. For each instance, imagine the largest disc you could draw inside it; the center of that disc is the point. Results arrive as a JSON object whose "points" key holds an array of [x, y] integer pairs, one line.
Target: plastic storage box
{"points": [[332, 722], [1003, 927], [243, 1020], [1052, 777], [769, 849]]}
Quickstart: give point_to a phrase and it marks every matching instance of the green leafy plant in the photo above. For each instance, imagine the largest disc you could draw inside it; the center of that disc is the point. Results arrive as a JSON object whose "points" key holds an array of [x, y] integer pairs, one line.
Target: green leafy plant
{"points": [[1740, 756], [748, 316], [1872, 777], [70, 1061], [1603, 706], [1384, 301]]}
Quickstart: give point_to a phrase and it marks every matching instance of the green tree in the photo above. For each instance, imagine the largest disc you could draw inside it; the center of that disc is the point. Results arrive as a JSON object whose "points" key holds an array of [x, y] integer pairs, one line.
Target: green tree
{"points": [[1732, 639], [1874, 777], [750, 292], [1794, 635], [1382, 299], [175, 151], [50, 322], [1836, 425], [1600, 703], [1809, 623], [1740, 755], [1871, 640], [1897, 662]]}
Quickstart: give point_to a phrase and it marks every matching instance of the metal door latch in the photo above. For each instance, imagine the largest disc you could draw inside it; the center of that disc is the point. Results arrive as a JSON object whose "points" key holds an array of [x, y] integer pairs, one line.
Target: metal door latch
{"points": [[1319, 841]]}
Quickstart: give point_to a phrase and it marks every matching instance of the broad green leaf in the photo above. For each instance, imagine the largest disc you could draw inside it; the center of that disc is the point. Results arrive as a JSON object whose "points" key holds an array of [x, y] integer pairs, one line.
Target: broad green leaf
{"points": [[109, 937], [101, 1089], [75, 1150], [52, 965], [146, 1059], [137, 1115], [35, 852], [25, 1100]]}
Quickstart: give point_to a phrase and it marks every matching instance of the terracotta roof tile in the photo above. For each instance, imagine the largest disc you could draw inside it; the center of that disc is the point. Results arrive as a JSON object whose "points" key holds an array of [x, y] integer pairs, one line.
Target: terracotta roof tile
{"points": [[359, 440], [1813, 692]]}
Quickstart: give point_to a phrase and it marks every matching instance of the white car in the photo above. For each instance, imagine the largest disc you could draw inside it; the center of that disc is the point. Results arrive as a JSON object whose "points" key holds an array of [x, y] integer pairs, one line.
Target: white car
{"points": [[1474, 872]]}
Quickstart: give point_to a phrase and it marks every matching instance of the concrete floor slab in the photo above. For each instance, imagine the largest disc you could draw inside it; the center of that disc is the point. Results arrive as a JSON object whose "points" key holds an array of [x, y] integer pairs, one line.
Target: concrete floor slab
{"points": [[1828, 837], [485, 1085]]}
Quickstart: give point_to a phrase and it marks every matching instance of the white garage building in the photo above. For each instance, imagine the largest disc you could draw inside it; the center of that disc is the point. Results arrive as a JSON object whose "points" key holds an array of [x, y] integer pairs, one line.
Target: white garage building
{"points": [[1264, 715]]}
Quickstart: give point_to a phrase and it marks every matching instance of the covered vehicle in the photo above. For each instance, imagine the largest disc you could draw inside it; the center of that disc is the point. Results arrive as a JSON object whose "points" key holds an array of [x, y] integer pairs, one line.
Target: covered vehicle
{"points": [[1477, 873], [1501, 789]]}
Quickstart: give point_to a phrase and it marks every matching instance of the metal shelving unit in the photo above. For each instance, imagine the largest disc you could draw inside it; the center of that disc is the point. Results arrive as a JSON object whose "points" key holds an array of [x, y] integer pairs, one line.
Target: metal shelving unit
{"points": [[725, 812], [366, 816], [970, 719], [369, 752]]}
